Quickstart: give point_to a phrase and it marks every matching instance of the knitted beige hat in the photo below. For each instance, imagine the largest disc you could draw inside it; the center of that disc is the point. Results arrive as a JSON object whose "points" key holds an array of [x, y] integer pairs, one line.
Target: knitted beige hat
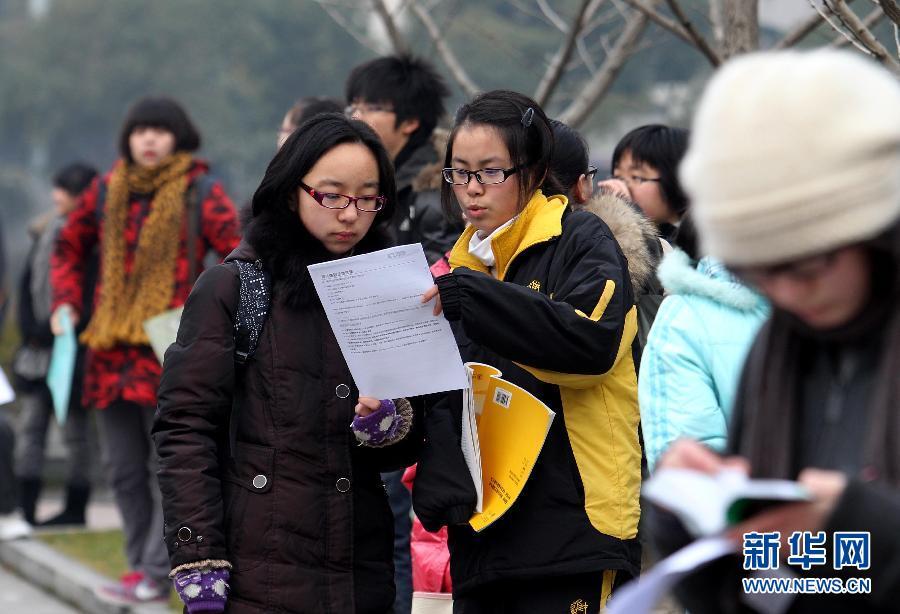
{"points": [[794, 154]]}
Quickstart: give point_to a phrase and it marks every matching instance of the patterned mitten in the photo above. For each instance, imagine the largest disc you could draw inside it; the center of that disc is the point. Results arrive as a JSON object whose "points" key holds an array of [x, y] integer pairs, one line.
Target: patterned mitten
{"points": [[386, 425], [202, 590]]}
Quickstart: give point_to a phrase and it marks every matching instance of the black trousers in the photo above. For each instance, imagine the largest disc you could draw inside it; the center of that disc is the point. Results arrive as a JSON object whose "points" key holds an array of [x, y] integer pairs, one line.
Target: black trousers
{"points": [[576, 594], [8, 497]]}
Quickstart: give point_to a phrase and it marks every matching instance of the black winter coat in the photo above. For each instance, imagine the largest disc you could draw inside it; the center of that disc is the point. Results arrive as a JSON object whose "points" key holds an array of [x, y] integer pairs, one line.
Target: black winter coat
{"points": [[420, 217], [298, 508], [559, 322]]}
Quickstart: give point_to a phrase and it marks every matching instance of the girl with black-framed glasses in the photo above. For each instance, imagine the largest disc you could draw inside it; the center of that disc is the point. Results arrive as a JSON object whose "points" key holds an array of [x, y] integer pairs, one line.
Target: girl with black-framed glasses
{"points": [[542, 293]]}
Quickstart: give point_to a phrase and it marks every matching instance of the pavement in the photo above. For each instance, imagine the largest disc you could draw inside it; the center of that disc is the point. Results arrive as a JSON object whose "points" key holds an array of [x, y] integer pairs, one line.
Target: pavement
{"points": [[20, 597], [36, 579]]}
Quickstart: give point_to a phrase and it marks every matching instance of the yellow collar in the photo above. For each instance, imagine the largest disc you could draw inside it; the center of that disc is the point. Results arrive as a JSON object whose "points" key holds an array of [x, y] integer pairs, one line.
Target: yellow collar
{"points": [[540, 221]]}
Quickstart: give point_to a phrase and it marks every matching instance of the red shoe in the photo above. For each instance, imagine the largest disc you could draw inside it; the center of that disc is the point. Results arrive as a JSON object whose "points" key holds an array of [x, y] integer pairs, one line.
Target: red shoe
{"points": [[133, 587]]}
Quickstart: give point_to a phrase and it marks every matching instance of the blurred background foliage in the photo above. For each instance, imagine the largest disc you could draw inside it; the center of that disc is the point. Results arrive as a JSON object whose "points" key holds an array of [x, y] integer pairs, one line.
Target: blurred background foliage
{"points": [[69, 69]]}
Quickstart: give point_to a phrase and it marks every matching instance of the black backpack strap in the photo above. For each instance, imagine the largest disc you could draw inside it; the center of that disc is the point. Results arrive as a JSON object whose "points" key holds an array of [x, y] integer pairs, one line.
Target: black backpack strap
{"points": [[197, 193], [254, 298], [253, 308]]}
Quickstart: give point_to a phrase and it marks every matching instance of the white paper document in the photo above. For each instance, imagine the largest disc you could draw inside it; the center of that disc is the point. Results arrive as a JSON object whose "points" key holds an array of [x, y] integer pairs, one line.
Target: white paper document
{"points": [[471, 446], [708, 504], [394, 345], [7, 395], [641, 596]]}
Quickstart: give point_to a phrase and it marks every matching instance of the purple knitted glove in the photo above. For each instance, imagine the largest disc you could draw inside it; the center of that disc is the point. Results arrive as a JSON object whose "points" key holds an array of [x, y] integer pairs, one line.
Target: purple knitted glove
{"points": [[386, 425], [202, 591]]}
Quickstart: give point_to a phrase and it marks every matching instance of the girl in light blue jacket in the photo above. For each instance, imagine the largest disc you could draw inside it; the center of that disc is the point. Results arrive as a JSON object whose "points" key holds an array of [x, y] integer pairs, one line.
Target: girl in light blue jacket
{"points": [[694, 353]]}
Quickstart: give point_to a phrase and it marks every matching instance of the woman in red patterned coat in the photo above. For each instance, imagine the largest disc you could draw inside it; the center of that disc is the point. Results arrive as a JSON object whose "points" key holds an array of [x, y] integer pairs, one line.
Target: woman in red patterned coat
{"points": [[152, 219]]}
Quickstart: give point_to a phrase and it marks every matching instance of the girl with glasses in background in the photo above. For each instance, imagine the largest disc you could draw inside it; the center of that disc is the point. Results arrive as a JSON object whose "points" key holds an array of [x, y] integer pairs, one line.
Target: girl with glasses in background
{"points": [[645, 170]]}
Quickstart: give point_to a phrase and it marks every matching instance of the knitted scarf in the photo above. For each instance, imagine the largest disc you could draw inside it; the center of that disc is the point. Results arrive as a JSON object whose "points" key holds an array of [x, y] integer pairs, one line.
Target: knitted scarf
{"points": [[126, 300], [770, 380]]}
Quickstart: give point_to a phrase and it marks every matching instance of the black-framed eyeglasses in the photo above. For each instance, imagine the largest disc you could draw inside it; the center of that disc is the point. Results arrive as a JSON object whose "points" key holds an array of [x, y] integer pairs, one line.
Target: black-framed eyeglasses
{"points": [[484, 176], [591, 173], [331, 200]]}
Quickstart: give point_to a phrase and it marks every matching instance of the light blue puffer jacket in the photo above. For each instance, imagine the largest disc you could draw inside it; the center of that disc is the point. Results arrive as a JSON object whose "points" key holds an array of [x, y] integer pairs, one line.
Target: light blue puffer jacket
{"points": [[694, 353]]}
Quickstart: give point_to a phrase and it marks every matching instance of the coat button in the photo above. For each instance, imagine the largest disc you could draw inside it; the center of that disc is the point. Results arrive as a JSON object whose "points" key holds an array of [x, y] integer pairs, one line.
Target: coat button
{"points": [[342, 391], [342, 485], [260, 481], [184, 534]]}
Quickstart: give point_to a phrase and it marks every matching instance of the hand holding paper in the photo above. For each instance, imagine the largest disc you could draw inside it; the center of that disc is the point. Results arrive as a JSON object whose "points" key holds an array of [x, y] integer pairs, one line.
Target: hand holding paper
{"points": [[434, 293], [393, 343]]}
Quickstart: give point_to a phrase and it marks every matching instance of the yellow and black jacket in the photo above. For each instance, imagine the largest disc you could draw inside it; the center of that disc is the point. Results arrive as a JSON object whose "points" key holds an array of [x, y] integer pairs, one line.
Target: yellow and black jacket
{"points": [[558, 320]]}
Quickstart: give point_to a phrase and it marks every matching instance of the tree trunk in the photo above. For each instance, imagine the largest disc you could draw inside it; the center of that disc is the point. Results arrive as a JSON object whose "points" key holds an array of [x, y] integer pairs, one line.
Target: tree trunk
{"points": [[740, 26]]}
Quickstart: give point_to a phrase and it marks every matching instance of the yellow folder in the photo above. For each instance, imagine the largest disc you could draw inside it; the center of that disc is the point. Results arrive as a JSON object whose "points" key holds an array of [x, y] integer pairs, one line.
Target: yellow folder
{"points": [[508, 426]]}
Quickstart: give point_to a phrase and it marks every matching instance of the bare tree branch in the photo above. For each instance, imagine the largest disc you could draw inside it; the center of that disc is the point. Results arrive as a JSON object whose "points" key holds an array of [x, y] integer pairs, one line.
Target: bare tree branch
{"points": [[866, 40], [870, 20], [717, 17], [594, 23], [561, 58], [892, 10], [551, 15], [897, 38], [741, 22], [675, 28], [450, 60], [338, 18], [586, 56], [599, 84], [661, 20], [403, 6], [526, 10], [800, 32], [390, 25], [697, 39]]}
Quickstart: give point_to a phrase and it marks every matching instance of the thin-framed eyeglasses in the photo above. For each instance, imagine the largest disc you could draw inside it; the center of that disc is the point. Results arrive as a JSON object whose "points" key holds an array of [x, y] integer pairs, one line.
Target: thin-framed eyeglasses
{"points": [[364, 108], [636, 179], [484, 176], [331, 200], [804, 270]]}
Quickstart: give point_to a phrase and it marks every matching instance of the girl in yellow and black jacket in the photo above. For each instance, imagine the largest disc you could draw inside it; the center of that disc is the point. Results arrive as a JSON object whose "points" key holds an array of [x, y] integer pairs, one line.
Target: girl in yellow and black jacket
{"points": [[543, 294]]}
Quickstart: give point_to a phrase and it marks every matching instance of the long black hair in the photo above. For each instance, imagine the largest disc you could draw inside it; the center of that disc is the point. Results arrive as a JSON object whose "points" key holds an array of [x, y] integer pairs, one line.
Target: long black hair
{"points": [[159, 112], [525, 130], [274, 228]]}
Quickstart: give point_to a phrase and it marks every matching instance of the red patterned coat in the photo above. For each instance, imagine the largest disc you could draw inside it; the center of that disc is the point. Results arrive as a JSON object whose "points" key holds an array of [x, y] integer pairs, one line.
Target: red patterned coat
{"points": [[131, 372]]}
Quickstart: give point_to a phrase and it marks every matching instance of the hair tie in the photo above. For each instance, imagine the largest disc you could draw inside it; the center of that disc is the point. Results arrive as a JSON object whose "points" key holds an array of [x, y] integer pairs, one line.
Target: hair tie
{"points": [[527, 117]]}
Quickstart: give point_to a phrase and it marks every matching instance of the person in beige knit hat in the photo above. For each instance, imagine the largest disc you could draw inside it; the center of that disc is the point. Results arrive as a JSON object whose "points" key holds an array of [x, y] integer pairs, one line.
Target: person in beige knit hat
{"points": [[794, 177]]}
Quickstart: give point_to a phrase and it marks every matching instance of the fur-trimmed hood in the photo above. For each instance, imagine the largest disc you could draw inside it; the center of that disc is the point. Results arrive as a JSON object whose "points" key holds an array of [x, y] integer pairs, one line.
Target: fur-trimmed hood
{"points": [[632, 231], [429, 176], [710, 279]]}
